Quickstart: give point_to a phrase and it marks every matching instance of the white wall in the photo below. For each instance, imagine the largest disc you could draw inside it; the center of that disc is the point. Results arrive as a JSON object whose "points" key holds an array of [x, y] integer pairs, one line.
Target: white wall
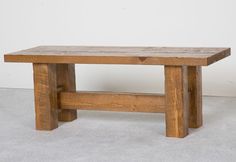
{"points": [[27, 23]]}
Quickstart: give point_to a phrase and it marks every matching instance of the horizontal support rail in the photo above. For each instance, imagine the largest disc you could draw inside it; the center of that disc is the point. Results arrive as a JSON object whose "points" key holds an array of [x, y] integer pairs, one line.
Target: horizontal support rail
{"points": [[110, 101]]}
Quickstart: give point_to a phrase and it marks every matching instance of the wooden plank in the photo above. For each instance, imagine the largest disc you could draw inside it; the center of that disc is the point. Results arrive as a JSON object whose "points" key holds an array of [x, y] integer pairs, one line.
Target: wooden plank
{"points": [[119, 55], [176, 89], [66, 82], [195, 96], [110, 101], [45, 91]]}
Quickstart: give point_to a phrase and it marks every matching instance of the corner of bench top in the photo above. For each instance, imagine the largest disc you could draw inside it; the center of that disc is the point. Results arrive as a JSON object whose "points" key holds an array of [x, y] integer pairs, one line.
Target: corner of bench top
{"points": [[7, 58], [219, 56]]}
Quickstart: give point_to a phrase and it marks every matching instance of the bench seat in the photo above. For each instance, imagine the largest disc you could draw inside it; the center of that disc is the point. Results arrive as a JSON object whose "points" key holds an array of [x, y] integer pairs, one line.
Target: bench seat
{"points": [[120, 55]]}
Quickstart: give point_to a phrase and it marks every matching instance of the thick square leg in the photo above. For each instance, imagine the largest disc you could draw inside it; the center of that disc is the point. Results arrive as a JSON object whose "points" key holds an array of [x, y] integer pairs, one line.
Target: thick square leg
{"points": [[66, 82], [195, 96], [45, 92], [176, 94]]}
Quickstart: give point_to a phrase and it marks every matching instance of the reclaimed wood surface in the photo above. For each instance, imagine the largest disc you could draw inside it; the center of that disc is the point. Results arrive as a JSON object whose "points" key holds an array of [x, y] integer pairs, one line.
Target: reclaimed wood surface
{"points": [[45, 93], [176, 92], [111, 101], [195, 96], [119, 55], [66, 82]]}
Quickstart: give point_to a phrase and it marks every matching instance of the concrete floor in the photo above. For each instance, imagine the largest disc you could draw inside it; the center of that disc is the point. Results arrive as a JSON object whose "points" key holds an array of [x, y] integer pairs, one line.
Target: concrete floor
{"points": [[110, 137]]}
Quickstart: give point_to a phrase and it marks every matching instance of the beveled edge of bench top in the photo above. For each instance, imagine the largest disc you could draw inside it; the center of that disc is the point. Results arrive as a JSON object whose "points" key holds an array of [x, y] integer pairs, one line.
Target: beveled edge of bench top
{"points": [[120, 55]]}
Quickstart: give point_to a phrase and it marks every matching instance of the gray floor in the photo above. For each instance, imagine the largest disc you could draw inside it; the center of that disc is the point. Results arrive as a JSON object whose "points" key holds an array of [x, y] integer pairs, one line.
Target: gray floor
{"points": [[107, 136]]}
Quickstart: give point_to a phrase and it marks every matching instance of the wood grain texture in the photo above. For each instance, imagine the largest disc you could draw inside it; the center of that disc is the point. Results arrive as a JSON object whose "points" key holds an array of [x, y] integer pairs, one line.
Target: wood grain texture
{"points": [[176, 92], [45, 91], [195, 96], [110, 101], [119, 55], [66, 82]]}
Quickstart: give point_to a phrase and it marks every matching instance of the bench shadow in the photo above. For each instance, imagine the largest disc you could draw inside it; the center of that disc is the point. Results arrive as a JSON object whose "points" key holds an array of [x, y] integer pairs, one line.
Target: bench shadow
{"points": [[124, 116]]}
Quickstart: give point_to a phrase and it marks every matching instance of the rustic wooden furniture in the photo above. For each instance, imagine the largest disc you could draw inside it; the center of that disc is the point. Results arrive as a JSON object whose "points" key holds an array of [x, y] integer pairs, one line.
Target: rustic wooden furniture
{"points": [[56, 97]]}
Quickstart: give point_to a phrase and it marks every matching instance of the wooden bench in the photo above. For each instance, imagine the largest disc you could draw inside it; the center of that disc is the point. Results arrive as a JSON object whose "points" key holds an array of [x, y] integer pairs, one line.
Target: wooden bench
{"points": [[55, 91]]}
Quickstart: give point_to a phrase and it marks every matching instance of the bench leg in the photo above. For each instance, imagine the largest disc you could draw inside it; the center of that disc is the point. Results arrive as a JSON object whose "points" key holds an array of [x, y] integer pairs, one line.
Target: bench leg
{"points": [[66, 82], [176, 94], [195, 96], [45, 92]]}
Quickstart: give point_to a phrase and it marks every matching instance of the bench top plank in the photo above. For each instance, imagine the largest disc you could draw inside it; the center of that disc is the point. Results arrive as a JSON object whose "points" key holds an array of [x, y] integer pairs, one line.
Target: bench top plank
{"points": [[119, 55]]}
